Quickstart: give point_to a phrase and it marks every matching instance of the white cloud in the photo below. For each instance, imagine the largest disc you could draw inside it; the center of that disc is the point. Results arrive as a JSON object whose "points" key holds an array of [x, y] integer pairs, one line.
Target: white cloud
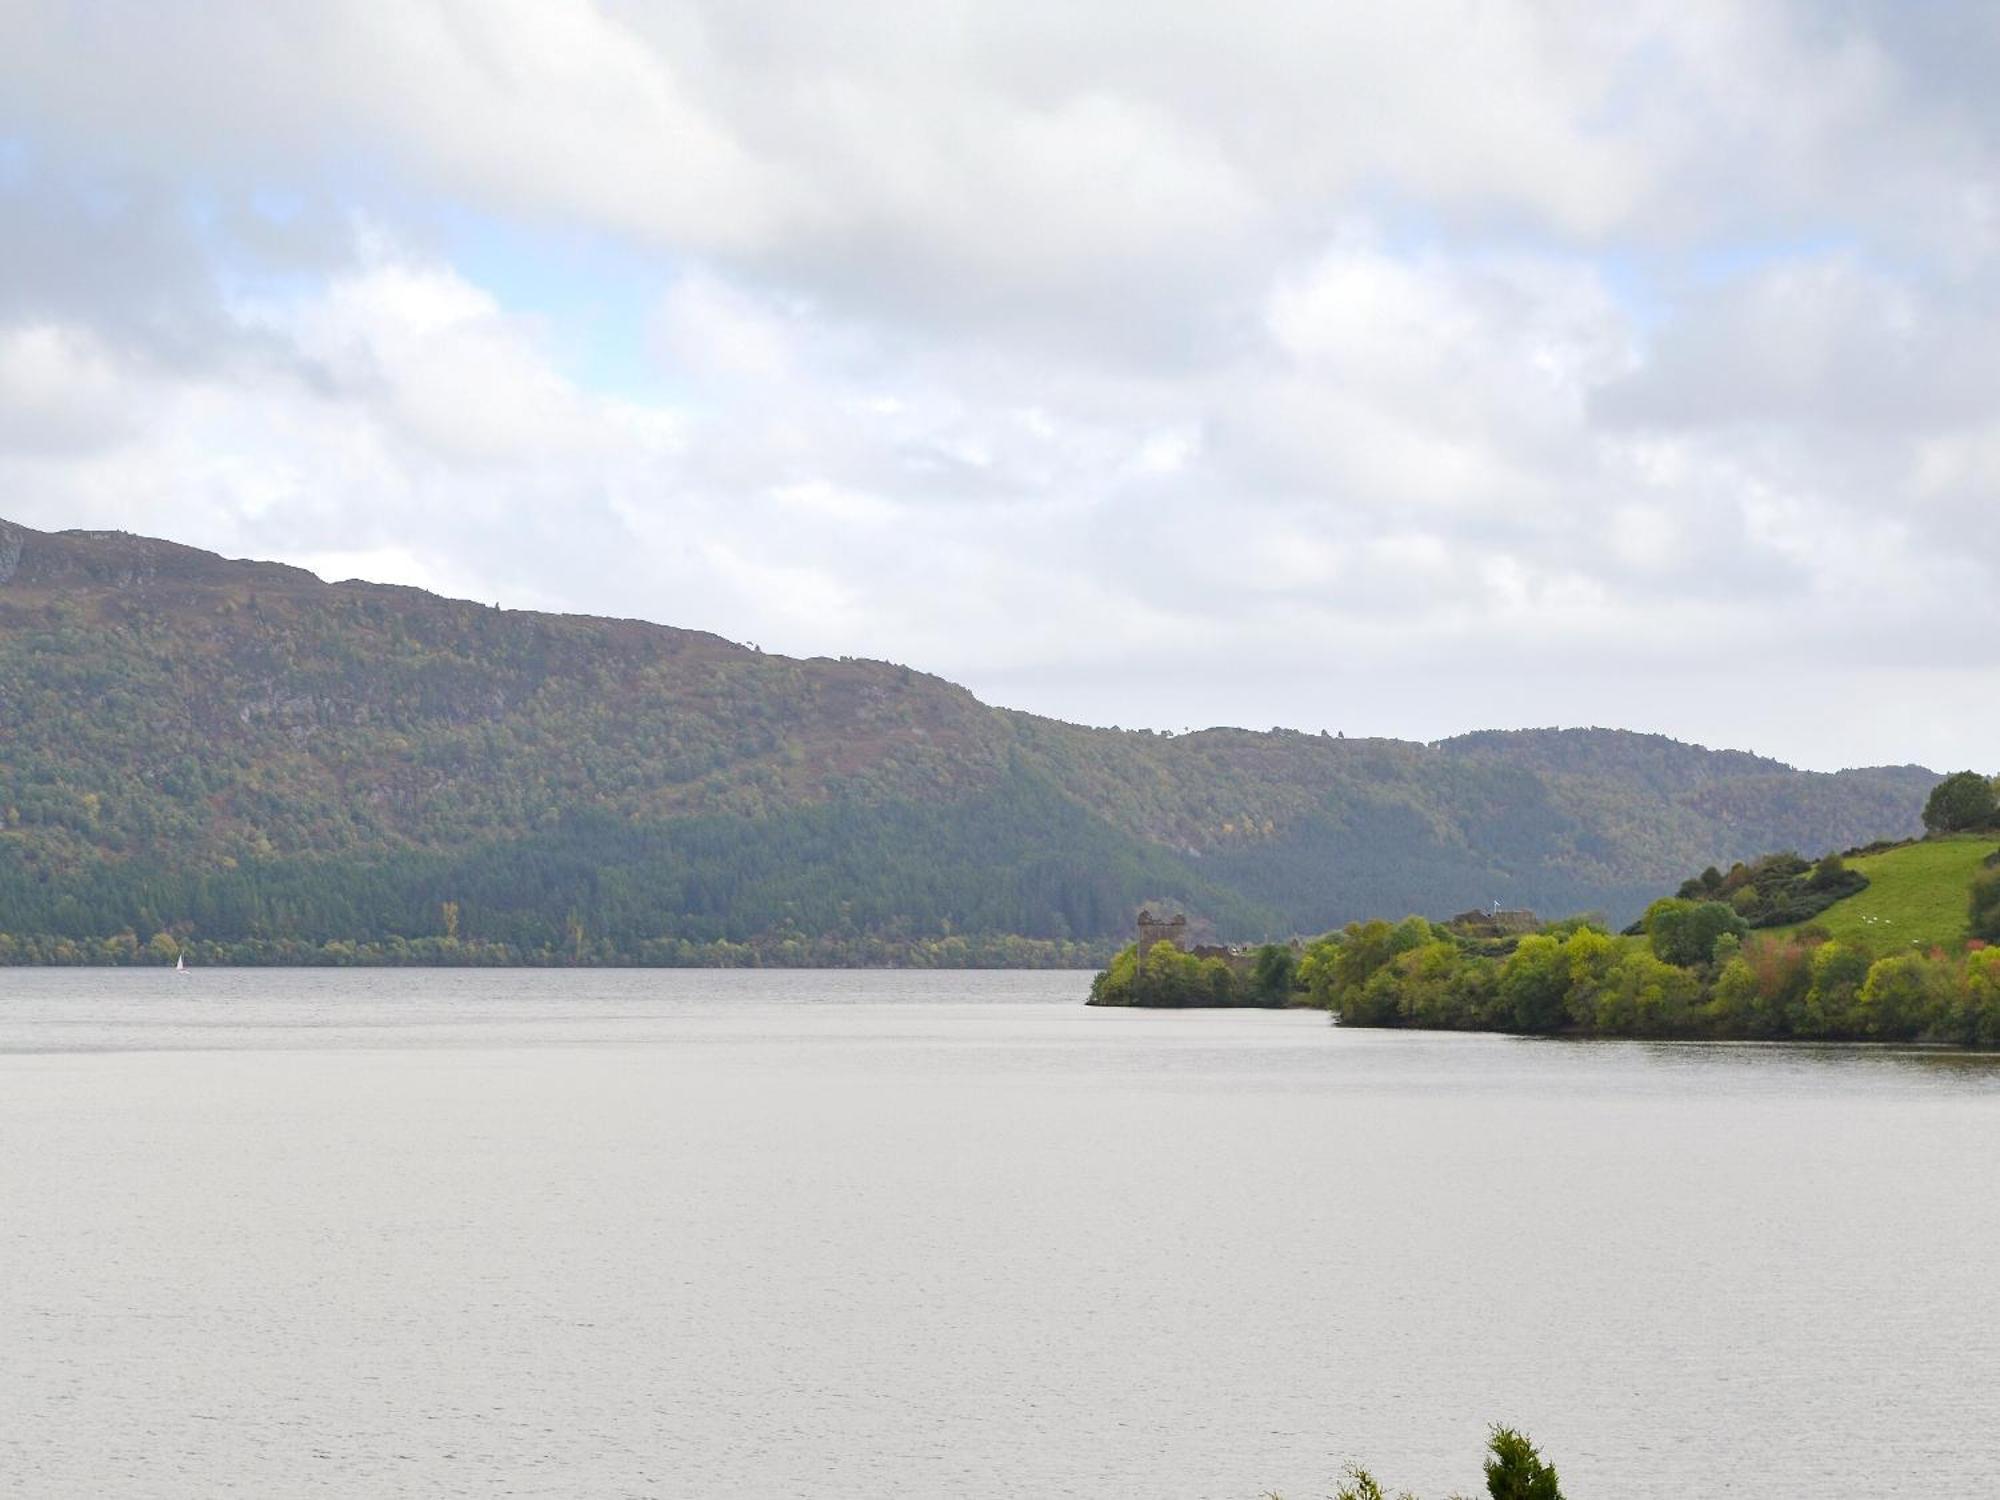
{"points": [[59, 389], [1255, 362]]}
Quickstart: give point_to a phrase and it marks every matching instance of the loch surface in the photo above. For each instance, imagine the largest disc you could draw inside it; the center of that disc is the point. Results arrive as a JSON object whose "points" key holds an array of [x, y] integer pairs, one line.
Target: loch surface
{"points": [[846, 1235]]}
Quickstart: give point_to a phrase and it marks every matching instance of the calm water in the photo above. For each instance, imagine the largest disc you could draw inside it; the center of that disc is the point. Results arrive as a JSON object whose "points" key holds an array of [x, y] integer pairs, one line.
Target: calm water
{"points": [[839, 1235]]}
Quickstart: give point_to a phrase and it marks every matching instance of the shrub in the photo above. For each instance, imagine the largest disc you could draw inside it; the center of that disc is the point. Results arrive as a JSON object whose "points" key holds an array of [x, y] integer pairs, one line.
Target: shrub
{"points": [[1906, 996], [1358, 1484], [1970, 1015], [1984, 907], [1838, 972], [1645, 996], [1761, 991], [1515, 1471]]}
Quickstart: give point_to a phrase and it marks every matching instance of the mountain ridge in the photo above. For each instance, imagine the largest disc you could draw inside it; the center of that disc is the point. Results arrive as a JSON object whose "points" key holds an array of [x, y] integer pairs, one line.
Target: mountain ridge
{"points": [[166, 710]]}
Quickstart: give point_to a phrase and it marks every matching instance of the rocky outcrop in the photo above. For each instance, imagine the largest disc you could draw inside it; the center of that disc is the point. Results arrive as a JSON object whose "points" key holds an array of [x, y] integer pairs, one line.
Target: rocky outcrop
{"points": [[119, 560]]}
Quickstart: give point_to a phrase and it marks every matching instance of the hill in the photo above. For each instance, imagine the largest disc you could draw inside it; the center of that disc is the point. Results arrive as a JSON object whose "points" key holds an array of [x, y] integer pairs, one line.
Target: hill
{"points": [[239, 753], [1916, 895]]}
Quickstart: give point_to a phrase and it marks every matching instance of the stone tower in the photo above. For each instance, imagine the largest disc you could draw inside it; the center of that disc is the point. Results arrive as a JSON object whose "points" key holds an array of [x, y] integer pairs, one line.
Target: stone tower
{"points": [[1154, 929]]}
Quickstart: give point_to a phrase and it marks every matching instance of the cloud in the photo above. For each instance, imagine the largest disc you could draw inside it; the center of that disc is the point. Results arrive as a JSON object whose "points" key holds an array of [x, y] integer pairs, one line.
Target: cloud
{"points": [[60, 390], [1400, 369]]}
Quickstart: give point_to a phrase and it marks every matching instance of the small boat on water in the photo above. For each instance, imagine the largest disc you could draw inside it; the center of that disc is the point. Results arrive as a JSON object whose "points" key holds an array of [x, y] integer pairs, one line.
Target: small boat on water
{"points": [[180, 963]]}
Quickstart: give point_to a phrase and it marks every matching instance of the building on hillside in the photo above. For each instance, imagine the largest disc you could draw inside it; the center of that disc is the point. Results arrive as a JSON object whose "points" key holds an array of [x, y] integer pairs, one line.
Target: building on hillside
{"points": [[1495, 921]]}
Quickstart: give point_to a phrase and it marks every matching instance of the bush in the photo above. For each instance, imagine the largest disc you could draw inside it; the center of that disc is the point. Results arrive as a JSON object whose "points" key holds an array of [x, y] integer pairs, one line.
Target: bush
{"points": [[1762, 990], [1358, 1484], [1984, 907], [1838, 972], [1272, 974], [1515, 1471], [1972, 1015], [1778, 890], [1906, 996]]}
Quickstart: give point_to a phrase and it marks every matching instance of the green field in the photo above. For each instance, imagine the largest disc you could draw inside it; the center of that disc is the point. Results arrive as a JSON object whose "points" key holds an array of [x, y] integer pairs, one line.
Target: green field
{"points": [[1916, 895]]}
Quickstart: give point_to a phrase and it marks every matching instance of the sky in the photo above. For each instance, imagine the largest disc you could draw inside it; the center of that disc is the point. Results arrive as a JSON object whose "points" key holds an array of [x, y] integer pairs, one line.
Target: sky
{"points": [[1396, 370]]}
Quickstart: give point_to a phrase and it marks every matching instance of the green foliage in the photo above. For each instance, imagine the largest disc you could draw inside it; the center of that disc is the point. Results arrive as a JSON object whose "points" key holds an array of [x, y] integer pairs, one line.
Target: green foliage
{"points": [[1173, 978], [238, 756], [1962, 803], [1011, 864], [1801, 986], [1515, 1471], [1117, 982], [1272, 973], [1356, 1483], [1701, 971], [1685, 932], [1642, 996], [1778, 889], [1761, 990], [1983, 908], [1838, 970], [1338, 967], [1534, 985], [1907, 995]]}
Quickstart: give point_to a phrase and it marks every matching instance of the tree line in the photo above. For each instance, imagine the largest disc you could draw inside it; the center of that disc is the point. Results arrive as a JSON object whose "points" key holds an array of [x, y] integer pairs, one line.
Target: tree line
{"points": [[1697, 971], [1019, 875]]}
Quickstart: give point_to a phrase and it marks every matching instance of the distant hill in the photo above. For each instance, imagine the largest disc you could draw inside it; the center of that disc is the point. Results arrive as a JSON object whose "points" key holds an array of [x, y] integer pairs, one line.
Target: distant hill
{"points": [[241, 754]]}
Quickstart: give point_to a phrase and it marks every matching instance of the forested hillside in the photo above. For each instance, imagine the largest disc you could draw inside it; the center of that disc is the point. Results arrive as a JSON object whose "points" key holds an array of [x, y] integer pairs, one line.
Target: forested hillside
{"points": [[240, 756]]}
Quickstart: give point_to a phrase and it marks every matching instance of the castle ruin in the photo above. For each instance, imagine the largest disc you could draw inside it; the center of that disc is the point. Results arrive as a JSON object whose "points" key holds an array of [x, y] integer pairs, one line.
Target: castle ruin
{"points": [[1495, 921], [1154, 929]]}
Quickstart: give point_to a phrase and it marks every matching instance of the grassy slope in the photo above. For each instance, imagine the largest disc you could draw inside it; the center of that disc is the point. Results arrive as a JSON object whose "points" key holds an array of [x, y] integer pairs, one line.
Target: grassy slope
{"points": [[1916, 895]]}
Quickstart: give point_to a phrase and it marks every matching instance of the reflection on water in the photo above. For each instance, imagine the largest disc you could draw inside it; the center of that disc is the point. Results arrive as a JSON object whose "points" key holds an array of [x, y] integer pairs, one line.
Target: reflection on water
{"points": [[773, 1234], [1948, 1065]]}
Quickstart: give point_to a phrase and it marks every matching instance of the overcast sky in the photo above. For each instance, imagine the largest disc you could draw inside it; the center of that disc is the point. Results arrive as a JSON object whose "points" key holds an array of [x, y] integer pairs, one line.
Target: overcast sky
{"points": [[1398, 369]]}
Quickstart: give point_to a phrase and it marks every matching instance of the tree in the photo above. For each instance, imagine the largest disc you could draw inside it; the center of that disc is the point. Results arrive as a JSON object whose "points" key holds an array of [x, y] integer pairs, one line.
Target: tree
{"points": [[1904, 996], [1984, 908], [1961, 802], [1271, 974], [1534, 984], [1839, 969], [1515, 1471], [1342, 963], [1685, 932]]}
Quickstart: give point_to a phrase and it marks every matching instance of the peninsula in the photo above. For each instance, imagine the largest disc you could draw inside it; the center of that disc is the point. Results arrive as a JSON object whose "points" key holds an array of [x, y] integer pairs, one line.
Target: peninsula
{"points": [[1890, 942]]}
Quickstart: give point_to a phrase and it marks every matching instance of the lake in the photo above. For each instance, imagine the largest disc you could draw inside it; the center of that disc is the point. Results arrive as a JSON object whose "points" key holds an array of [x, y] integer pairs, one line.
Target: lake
{"points": [[342, 1233]]}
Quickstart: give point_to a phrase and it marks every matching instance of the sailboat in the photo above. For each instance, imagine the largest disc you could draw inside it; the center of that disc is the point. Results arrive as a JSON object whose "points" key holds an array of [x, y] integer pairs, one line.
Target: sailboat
{"points": [[180, 963]]}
